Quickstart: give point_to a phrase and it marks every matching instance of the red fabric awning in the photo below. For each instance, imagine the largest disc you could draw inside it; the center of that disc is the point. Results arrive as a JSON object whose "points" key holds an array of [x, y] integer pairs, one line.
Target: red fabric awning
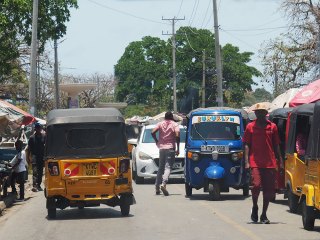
{"points": [[308, 94], [27, 117]]}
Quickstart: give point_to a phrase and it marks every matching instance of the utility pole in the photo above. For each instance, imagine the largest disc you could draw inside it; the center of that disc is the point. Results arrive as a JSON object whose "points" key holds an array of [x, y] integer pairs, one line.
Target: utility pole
{"points": [[218, 56], [204, 79], [56, 74], [275, 93], [174, 71], [33, 59]]}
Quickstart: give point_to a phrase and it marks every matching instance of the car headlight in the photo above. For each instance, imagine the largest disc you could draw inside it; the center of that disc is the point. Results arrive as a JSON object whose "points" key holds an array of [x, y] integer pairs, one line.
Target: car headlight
{"points": [[144, 156], [193, 156]]}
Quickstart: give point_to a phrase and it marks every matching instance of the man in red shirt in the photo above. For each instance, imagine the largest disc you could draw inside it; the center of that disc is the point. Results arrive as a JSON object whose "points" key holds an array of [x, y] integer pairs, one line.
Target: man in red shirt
{"points": [[261, 141], [169, 136]]}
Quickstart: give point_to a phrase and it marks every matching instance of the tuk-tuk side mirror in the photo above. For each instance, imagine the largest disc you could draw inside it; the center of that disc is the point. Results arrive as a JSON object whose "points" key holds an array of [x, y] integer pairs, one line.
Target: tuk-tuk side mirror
{"points": [[133, 141]]}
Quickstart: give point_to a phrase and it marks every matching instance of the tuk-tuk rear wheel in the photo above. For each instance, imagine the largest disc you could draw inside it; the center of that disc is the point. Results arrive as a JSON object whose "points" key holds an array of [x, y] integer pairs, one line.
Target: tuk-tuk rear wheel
{"points": [[214, 190], [51, 208], [308, 216], [245, 190], [125, 205], [188, 189], [52, 213]]}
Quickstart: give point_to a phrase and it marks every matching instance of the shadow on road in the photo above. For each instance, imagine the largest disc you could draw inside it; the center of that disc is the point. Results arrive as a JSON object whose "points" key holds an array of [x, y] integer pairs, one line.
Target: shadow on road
{"points": [[224, 197], [87, 213]]}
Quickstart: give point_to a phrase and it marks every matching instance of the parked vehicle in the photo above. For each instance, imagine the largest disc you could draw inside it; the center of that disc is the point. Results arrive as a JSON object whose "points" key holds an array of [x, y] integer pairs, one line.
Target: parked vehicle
{"points": [[279, 117], [132, 132], [295, 165], [145, 156], [87, 161], [214, 151], [303, 171]]}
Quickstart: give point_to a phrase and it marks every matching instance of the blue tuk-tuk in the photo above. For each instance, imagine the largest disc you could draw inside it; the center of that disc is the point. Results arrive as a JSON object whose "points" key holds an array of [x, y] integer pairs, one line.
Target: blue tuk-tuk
{"points": [[214, 151]]}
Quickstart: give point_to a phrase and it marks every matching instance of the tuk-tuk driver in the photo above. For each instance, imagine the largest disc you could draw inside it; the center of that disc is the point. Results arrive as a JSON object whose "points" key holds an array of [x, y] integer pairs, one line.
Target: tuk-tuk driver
{"points": [[169, 136], [261, 141]]}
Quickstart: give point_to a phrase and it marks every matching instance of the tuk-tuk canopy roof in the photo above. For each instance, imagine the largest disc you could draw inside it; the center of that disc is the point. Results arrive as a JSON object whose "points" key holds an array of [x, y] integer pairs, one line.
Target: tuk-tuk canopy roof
{"points": [[226, 110], [305, 109], [280, 113], [84, 115]]}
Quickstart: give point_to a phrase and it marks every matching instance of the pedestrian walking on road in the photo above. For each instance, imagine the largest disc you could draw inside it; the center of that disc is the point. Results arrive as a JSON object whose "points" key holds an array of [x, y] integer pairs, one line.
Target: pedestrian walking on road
{"points": [[261, 142], [20, 166], [169, 136], [36, 146]]}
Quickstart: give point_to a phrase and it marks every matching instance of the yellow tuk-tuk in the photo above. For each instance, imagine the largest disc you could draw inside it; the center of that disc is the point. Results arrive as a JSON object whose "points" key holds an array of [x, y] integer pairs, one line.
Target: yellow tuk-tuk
{"points": [[86, 162], [295, 165]]}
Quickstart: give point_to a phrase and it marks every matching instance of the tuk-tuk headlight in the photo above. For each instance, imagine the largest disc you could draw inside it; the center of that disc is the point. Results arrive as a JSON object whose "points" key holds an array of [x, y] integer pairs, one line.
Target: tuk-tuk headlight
{"points": [[144, 156], [193, 156], [236, 156], [124, 165]]}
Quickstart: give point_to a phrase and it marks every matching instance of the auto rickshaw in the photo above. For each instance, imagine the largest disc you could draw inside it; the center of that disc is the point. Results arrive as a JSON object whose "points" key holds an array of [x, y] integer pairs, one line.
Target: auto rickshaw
{"points": [[214, 151], [299, 121], [303, 172], [279, 117], [86, 160], [132, 131]]}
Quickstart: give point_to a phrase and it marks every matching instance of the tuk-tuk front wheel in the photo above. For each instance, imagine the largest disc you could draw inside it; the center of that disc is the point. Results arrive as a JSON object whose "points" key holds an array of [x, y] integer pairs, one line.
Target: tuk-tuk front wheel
{"points": [[51, 208], [308, 216], [125, 202], [245, 190], [214, 190], [293, 200], [188, 189]]}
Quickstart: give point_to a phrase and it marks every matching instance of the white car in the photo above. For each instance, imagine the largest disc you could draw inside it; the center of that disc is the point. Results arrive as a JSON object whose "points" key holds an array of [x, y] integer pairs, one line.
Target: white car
{"points": [[145, 156]]}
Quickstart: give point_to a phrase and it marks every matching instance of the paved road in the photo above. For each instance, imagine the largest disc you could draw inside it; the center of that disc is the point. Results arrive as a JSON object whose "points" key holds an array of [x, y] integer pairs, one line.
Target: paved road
{"points": [[155, 217]]}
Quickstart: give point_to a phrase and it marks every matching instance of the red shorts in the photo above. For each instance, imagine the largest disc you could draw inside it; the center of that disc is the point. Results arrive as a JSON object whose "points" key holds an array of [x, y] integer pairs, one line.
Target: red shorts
{"points": [[263, 178]]}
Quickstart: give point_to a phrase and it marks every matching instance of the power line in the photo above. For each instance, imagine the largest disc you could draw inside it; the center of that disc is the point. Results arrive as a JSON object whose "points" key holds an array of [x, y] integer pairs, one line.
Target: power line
{"points": [[180, 8], [125, 13], [254, 29]]}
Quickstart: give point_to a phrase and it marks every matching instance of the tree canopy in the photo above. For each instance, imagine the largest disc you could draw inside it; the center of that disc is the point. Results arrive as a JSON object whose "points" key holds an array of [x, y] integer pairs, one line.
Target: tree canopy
{"points": [[144, 71], [16, 31], [293, 58]]}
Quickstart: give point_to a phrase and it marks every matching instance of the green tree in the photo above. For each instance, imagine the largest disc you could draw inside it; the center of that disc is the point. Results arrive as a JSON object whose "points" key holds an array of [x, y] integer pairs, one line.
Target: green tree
{"points": [[16, 30], [151, 59], [142, 72], [262, 95]]}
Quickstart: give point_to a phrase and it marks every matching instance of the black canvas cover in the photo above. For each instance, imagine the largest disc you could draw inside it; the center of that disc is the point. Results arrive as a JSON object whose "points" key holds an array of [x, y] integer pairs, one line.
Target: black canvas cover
{"points": [[85, 133], [86, 140]]}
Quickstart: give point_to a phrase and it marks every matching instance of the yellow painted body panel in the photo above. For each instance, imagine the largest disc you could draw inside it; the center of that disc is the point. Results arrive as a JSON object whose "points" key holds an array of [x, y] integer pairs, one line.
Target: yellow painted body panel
{"points": [[87, 179], [295, 173]]}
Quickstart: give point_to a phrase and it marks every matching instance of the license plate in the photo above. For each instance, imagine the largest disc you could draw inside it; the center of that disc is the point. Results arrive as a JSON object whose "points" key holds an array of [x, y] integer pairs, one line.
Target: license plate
{"points": [[177, 165], [218, 148], [90, 169]]}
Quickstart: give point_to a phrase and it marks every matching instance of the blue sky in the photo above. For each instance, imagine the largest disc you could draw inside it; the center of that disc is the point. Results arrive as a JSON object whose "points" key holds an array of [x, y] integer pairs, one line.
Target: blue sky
{"points": [[100, 30]]}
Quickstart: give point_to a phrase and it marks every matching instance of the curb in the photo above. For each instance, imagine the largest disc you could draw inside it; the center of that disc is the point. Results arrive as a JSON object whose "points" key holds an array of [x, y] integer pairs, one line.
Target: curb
{"points": [[9, 200]]}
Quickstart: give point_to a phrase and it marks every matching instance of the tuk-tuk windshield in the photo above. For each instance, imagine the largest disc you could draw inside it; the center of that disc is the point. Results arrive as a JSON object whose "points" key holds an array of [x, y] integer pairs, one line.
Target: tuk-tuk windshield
{"points": [[81, 140], [215, 127]]}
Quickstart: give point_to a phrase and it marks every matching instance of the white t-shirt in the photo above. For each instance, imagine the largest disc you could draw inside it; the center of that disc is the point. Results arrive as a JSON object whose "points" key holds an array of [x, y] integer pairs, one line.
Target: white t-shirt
{"points": [[22, 166]]}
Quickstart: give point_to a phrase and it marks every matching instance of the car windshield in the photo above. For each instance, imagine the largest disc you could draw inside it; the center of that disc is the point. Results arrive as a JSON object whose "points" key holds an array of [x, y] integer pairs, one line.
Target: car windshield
{"points": [[147, 138], [215, 127]]}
